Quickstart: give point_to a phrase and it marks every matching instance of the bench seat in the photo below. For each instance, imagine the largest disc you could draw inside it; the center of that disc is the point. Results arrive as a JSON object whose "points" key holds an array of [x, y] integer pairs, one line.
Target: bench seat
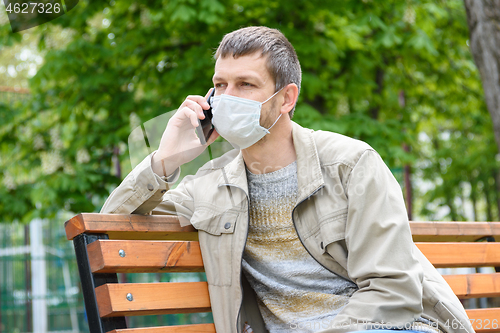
{"points": [[107, 244]]}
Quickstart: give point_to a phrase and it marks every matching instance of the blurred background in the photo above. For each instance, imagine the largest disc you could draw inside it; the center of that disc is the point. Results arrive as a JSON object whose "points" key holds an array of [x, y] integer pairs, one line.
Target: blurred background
{"points": [[399, 75]]}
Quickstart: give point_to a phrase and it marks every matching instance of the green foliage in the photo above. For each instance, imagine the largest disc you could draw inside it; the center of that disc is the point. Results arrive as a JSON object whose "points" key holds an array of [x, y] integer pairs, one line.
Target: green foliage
{"points": [[124, 63]]}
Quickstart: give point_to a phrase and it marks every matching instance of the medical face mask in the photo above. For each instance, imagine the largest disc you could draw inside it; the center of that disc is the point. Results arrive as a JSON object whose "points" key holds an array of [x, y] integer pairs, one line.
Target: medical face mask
{"points": [[237, 119]]}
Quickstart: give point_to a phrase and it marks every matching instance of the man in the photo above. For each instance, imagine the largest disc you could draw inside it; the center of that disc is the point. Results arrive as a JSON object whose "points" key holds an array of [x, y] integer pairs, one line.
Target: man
{"points": [[300, 230]]}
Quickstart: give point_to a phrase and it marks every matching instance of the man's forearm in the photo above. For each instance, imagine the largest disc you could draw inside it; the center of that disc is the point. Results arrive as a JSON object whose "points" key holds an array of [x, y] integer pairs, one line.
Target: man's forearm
{"points": [[139, 193], [163, 167]]}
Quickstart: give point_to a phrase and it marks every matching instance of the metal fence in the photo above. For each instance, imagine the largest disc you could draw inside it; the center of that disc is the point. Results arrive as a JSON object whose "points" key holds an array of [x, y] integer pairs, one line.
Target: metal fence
{"points": [[40, 287]]}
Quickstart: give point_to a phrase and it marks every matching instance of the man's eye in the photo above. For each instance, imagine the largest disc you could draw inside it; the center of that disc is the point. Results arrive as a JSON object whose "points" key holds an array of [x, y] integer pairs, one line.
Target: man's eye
{"points": [[246, 84]]}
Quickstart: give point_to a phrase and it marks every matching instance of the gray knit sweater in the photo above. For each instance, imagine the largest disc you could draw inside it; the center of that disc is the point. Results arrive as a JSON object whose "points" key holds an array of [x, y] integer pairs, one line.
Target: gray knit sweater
{"points": [[295, 293]]}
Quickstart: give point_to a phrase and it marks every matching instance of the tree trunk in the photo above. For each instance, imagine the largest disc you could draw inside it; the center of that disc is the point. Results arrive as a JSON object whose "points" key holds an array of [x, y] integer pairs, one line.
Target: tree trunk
{"points": [[377, 92], [449, 203], [487, 195], [483, 18], [496, 176], [473, 198]]}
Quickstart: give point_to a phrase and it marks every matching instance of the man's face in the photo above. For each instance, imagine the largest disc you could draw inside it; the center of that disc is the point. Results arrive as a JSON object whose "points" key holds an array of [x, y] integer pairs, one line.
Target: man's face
{"points": [[247, 77]]}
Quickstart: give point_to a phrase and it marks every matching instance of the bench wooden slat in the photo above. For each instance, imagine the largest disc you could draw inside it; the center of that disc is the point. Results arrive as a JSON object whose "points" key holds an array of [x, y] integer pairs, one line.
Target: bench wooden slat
{"points": [[197, 328], [162, 227], [485, 320], [144, 256], [117, 226], [152, 298], [478, 254], [474, 285], [453, 231]]}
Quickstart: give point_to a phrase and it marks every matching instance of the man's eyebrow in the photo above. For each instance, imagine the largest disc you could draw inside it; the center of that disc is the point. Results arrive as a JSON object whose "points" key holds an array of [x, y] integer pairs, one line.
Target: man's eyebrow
{"points": [[216, 78], [247, 77], [239, 78]]}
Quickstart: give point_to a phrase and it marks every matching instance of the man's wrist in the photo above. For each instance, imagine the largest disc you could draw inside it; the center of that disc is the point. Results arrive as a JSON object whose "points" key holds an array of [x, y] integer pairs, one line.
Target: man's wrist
{"points": [[162, 167], [172, 178]]}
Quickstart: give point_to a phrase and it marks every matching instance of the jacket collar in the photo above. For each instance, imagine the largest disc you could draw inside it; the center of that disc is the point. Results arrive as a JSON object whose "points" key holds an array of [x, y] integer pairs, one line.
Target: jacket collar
{"points": [[309, 175], [234, 173]]}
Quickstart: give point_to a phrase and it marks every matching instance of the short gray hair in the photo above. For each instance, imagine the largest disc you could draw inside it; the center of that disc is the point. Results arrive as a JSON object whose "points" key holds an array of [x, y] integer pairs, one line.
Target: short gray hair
{"points": [[282, 61]]}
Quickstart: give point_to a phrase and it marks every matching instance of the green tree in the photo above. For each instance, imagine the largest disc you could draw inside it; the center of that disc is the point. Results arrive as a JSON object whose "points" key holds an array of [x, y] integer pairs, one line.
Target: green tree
{"points": [[380, 72]]}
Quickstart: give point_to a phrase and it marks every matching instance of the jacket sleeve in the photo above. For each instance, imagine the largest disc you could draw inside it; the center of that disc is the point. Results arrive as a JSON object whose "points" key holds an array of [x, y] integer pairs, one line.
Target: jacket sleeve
{"points": [[381, 258], [144, 192]]}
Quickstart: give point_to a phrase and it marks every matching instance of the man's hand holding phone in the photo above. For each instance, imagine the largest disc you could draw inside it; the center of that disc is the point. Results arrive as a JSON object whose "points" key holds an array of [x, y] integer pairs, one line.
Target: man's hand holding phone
{"points": [[180, 143], [205, 128]]}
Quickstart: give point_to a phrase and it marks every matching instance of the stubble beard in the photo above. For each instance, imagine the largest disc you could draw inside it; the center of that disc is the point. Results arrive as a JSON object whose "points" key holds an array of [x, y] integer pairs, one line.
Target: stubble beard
{"points": [[271, 115]]}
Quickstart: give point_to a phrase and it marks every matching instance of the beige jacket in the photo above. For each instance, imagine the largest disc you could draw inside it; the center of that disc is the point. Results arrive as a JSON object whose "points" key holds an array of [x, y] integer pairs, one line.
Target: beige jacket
{"points": [[350, 216]]}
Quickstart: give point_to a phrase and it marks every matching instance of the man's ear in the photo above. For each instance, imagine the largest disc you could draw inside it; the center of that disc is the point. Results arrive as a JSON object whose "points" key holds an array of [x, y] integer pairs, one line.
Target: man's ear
{"points": [[291, 93]]}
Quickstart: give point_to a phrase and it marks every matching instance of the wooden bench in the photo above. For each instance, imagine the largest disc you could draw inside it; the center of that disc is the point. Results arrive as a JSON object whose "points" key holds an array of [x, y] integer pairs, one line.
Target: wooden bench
{"points": [[107, 244]]}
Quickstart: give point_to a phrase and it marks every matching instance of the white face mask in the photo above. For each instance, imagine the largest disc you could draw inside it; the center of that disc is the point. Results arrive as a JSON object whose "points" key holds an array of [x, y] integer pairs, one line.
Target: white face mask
{"points": [[237, 119]]}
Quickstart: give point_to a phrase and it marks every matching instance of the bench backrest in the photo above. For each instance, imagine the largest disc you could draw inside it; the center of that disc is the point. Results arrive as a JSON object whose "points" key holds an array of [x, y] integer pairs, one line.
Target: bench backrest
{"points": [[106, 244]]}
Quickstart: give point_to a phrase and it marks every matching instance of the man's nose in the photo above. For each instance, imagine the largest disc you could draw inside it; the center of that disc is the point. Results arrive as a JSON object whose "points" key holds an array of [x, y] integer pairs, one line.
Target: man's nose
{"points": [[230, 90]]}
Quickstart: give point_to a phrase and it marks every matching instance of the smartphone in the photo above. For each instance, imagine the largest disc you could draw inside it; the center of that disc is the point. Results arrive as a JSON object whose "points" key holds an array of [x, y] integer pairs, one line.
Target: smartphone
{"points": [[205, 128]]}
